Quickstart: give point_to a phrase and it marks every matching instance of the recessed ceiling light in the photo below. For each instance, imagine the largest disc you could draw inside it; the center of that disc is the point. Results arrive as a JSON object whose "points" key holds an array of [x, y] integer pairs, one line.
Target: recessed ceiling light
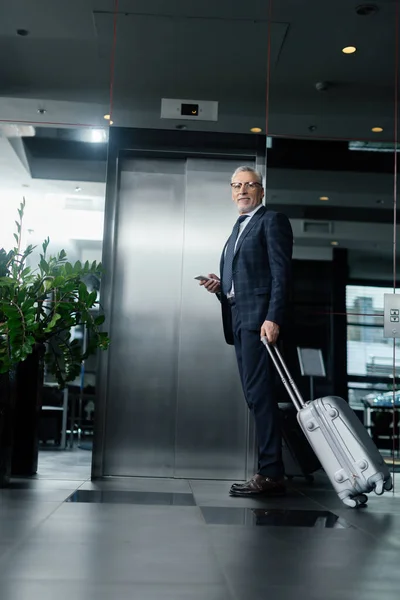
{"points": [[111, 122], [107, 117], [78, 189], [349, 50], [380, 202], [377, 129], [256, 130], [98, 135], [335, 243], [324, 198]]}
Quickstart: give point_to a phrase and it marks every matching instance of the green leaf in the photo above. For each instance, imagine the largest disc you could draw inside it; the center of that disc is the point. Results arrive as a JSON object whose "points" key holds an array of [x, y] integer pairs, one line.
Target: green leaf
{"points": [[83, 293], [91, 301], [99, 320], [78, 266], [44, 266], [16, 237], [68, 268], [58, 281], [53, 322], [45, 245], [21, 296]]}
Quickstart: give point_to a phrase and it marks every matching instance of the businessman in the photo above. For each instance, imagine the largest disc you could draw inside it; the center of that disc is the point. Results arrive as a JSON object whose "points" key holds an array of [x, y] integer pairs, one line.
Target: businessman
{"points": [[254, 288]]}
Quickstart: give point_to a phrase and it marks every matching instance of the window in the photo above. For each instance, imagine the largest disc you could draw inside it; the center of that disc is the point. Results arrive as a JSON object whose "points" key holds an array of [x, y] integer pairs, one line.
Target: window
{"points": [[369, 354]]}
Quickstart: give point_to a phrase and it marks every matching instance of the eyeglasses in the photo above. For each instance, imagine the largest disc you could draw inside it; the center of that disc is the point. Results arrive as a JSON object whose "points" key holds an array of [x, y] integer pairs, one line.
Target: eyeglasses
{"points": [[252, 185]]}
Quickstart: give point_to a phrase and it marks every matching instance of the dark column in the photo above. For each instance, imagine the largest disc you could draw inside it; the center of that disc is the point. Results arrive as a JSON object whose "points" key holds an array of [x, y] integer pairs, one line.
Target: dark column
{"points": [[339, 322]]}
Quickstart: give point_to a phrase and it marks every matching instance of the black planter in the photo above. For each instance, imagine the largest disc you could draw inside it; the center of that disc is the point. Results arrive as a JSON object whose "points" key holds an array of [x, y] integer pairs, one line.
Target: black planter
{"points": [[7, 403], [28, 404]]}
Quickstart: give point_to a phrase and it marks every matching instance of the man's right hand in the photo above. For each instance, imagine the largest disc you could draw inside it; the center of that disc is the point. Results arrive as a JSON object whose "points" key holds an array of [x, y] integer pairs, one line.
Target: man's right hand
{"points": [[212, 286]]}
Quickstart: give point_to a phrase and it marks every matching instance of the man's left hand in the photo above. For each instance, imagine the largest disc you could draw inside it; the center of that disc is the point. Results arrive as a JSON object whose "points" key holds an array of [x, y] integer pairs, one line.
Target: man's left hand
{"points": [[270, 330]]}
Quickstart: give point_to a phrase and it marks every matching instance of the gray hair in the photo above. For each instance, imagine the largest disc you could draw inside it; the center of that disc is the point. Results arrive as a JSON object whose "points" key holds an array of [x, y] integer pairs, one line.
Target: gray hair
{"points": [[245, 169]]}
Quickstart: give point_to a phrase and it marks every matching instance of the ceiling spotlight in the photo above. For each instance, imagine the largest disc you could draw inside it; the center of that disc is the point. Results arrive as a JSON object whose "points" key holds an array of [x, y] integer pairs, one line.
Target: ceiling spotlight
{"points": [[349, 50], [256, 130], [78, 189], [41, 111], [377, 129], [107, 117], [324, 198], [335, 243]]}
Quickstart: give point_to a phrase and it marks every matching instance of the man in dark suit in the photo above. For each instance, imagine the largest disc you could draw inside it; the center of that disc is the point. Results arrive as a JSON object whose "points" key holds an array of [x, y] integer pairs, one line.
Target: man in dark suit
{"points": [[253, 290]]}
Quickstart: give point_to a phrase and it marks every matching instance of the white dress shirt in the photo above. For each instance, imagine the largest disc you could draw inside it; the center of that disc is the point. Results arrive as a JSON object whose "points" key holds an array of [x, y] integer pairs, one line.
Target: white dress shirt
{"points": [[241, 229]]}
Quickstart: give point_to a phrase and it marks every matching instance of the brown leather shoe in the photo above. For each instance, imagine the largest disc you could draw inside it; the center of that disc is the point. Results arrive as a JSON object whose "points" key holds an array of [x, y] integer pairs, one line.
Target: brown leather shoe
{"points": [[259, 485]]}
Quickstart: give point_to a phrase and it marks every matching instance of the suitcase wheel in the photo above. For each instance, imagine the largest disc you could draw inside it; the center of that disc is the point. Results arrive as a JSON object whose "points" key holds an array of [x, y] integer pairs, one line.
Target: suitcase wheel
{"points": [[357, 501], [379, 488], [362, 499], [388, 485], [352, 502]]}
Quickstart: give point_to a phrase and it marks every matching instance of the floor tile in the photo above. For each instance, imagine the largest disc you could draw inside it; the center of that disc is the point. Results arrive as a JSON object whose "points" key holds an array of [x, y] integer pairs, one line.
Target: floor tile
{"points": [[263, 591], [96, 532], [180, 516], [154, 560], [66, 590], [35, 495], [42, 484]]}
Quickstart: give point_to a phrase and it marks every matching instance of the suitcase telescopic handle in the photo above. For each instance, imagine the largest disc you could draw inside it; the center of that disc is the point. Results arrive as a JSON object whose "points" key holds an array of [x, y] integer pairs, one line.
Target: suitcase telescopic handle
{"points": [[284, 374]]}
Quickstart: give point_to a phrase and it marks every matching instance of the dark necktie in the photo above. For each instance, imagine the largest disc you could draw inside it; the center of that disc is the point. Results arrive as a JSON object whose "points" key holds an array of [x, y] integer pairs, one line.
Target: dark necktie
{"points": [[230, 252]]}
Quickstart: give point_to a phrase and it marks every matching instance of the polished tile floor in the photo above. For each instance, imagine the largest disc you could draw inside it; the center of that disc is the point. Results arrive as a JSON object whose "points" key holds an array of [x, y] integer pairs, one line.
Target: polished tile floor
{"points": [[65, 537]]}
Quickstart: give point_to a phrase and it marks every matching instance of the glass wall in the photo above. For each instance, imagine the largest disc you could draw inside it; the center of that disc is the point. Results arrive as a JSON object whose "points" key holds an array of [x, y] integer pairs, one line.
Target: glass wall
{"points": [[332, 117], [55, 91]]}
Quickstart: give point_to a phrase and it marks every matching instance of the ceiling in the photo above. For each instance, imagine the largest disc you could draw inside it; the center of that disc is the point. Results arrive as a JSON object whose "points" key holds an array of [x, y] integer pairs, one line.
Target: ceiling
{"points": [[230, 51], [208, 51]]}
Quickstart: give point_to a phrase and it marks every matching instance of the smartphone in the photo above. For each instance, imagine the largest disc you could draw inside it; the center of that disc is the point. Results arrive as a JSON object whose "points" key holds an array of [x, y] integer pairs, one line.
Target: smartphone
{"points": [[203, 278]]}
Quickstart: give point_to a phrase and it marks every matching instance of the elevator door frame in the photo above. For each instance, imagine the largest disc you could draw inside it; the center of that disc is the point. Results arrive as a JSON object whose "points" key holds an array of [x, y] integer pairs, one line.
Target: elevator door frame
{"points": [[140, 143]]}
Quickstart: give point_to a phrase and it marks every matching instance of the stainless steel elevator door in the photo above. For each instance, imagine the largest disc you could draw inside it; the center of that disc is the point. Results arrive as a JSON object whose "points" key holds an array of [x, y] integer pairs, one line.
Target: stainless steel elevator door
{"points": [[212, 416], [141, 395], [174, 401]]}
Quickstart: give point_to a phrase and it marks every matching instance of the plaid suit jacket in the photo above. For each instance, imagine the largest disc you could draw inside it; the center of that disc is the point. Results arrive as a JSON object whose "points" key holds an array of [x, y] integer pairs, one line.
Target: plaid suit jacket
{"points": [[261, 272]]}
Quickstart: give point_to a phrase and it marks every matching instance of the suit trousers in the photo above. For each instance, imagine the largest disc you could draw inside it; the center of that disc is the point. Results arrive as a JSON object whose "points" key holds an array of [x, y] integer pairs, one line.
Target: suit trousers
{"points": [[258, 382]]}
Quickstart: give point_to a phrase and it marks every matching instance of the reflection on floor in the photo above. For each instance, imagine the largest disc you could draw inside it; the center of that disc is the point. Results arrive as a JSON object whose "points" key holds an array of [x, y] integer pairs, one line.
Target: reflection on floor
{"points": [[64, 536], [272, 517], [118, 497]]}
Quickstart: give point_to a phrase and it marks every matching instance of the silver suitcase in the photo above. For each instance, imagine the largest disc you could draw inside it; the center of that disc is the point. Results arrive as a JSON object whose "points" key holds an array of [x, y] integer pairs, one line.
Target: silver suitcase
{"points": [[346, 451]]}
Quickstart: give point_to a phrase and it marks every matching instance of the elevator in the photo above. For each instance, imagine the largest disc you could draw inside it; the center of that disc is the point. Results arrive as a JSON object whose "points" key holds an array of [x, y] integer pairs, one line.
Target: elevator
{"points": [[170, 401]]}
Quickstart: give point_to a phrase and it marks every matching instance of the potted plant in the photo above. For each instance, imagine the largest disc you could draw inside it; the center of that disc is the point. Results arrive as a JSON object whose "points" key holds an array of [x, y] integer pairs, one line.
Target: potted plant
{"points": [[38, 309]]}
